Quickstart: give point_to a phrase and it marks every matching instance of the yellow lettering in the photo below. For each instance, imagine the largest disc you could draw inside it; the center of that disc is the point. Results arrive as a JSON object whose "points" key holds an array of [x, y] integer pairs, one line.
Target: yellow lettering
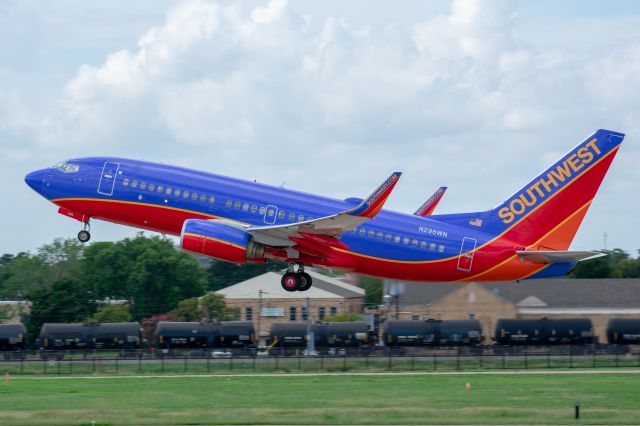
{"points": [[586, 156], [551, 180], [532, 199], [573, 162], [506, 215], [561, 171], [592, 144], [536, 186], [513, 204]]}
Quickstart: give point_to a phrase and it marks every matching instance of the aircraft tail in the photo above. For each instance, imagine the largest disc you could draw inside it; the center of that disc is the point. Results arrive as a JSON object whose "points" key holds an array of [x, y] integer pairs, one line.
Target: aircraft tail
{"points": [[545, 214]]}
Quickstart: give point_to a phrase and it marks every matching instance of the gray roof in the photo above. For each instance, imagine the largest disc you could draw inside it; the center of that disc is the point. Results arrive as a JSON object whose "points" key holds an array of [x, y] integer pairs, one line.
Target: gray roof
{"points": [[539, 293], [324, 287]]}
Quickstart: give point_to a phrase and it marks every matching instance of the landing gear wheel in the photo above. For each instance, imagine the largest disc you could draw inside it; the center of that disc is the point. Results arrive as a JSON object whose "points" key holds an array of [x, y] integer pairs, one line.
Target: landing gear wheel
{"points": [[84, 236], [305, 281], [290, 281]]}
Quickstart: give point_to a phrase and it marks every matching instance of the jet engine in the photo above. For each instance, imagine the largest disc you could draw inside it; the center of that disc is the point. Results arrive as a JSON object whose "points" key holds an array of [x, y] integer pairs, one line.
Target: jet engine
{"points": [[220, 241]]}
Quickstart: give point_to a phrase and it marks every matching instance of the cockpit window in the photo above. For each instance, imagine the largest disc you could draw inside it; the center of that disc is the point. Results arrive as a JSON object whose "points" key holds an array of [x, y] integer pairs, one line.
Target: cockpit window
{"points": [[67, 167]]}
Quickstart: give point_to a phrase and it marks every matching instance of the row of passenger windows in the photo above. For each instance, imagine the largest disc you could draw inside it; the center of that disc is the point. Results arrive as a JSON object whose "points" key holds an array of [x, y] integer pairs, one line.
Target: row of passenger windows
{"points": [[281, 214], [161, 189], [399, 239]]}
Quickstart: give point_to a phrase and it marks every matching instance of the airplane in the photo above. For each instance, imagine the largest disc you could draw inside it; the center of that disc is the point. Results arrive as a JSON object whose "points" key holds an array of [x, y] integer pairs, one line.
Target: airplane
{"points": [[526, 236], [430, 205]]}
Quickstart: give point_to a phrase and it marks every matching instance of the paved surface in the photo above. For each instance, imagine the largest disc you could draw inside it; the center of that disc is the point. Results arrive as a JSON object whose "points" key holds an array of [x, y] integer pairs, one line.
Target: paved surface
{"points": [[290, 375]]}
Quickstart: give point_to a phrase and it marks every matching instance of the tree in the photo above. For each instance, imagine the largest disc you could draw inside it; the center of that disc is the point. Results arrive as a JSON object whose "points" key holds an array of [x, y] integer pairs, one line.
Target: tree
{"points": [[222, 274], [373, 289], [111, 313], [66, 300], [344, 317], [601, 267], [209, 307]]}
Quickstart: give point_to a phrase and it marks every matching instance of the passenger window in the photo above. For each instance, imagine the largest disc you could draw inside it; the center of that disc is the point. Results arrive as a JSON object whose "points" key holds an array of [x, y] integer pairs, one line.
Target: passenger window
{"points": [[125, 182], [212, 199], [143, 185], [281, 214], [160, 188], [134, 183], [396, 239], [194, 196], [245, 207], [262, 210], [300, 218], [388, 237], [423, 244], [405, 240], [176, 192], [236, 205], [380, 234], [185, 194], [271, 212], [414, 242], [309, 218], [440, 248], [228, 203], [432, 246], [152, 187], [203, 198], [371, 233], [362, 231], [254, 208], [292, 217], [168, 190]]}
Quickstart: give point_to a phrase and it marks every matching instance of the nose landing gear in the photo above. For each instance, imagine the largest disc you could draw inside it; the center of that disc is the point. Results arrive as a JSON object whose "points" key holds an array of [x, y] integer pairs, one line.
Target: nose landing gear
{"points": [[84, 235], [296, 281]]}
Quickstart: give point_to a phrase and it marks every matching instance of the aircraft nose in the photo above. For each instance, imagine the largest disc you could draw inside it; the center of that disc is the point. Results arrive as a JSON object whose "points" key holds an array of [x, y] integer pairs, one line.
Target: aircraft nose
{"points": [[35, 180]]}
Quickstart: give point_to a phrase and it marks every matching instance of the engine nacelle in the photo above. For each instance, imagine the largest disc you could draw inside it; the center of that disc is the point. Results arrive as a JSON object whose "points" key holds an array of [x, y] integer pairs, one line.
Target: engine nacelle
{"points": [[219, 241]]}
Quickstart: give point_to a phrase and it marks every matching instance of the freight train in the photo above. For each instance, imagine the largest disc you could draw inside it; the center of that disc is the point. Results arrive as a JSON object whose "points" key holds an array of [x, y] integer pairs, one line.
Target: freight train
{"points": [[290, 335]]}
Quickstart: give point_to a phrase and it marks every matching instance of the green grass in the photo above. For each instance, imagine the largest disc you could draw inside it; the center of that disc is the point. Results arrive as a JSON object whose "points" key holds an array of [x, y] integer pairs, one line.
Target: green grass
{"points": [[439, 399]]}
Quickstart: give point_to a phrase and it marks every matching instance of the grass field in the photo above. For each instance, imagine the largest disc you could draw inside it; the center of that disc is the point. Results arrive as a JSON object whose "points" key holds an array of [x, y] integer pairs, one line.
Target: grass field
{"points": [[340, 399]]}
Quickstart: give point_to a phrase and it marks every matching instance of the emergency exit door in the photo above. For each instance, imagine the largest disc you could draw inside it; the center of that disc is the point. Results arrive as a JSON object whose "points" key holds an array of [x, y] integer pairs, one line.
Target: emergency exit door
{"points": [[467, 250]]}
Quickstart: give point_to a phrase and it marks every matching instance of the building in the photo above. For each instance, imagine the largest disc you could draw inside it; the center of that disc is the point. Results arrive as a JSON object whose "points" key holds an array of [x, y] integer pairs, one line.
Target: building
{"points": [[262, 300], [597, 299]]}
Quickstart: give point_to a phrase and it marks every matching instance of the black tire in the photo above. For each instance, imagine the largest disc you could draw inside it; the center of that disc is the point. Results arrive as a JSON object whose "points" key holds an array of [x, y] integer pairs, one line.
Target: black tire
{"points": [[290, 281], [84, 236], [305, 282]]}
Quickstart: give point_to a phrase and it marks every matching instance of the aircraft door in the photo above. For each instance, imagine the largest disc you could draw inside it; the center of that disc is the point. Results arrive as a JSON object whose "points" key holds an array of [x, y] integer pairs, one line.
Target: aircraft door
{"points": [[466, 254], [108, 178], [270, 214]]}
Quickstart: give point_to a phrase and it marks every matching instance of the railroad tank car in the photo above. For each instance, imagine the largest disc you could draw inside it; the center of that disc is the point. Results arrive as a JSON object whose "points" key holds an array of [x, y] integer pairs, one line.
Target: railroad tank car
{"points": [[623, 331], [170, 334], [330, 334], [432, 332], [60, 336], [235, 334], [570, 331], [13, 337]]}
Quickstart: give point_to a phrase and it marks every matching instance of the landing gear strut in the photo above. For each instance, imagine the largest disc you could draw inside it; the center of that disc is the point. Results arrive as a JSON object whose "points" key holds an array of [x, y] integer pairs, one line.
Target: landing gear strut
{"points": [[84, 235], [296, 281]]}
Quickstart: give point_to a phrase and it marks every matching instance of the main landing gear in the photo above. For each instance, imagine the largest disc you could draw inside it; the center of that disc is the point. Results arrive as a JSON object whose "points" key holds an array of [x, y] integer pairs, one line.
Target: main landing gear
{"points": [[84, 235], [296, 281]]}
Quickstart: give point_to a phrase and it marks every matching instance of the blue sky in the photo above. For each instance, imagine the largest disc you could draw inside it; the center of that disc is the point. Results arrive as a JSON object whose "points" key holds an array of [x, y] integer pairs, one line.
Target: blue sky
{"points": [[328, 96]]}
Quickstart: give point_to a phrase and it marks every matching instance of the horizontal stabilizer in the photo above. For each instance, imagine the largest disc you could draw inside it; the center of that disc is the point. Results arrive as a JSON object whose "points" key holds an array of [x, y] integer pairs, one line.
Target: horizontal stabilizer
{"points": [[553, 256]]}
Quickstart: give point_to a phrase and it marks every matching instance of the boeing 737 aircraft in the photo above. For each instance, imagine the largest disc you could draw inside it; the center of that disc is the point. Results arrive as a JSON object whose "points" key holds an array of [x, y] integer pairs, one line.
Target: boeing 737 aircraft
{"points": [[527, 236]]}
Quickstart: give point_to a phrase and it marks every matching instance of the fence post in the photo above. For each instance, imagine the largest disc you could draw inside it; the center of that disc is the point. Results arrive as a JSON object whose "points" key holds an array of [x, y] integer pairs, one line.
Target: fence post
{"points": [[458, 361], [548, 359], [526, 361], [45, 362], [21, 365], [254, 362], [413, 363], [70, 367], [435, 362], [503, 355], [344, 363], [570, 358], [299, 362], [593, 356], [321, 362], [139, 363], [366, 361], [185, 364], [117, 365], [162, 363], [277, 358], [481, 361]]}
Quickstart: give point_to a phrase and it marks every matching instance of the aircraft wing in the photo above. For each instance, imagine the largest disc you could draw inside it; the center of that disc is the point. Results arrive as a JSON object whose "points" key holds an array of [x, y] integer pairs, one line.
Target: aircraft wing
{"points": [[430, 205], [552, 256], [325, 230]]}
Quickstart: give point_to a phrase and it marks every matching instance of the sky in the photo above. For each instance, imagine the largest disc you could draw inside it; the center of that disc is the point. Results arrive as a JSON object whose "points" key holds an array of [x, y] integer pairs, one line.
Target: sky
{"points": [[327, 97]]}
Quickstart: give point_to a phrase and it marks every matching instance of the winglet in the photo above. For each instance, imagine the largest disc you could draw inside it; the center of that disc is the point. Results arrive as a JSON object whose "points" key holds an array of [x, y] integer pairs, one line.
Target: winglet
{"points": [[373, 204], [429, 206]]}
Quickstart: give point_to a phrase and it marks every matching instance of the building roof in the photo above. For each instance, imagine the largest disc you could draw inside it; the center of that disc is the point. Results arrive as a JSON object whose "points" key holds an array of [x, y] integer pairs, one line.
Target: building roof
{"points": [[541, 293], [324, 287]]}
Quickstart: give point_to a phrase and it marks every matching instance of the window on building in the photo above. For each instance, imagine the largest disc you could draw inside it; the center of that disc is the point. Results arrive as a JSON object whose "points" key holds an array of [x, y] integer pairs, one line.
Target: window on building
{"points": [[248, 314], [415, 317], [334, 311], [321, 312], [304, 316], [293, 314]]}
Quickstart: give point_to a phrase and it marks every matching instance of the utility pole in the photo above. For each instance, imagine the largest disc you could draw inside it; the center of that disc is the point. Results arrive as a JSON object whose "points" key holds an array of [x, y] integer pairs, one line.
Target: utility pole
{"points": [[259, 315], [311, 339]]}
